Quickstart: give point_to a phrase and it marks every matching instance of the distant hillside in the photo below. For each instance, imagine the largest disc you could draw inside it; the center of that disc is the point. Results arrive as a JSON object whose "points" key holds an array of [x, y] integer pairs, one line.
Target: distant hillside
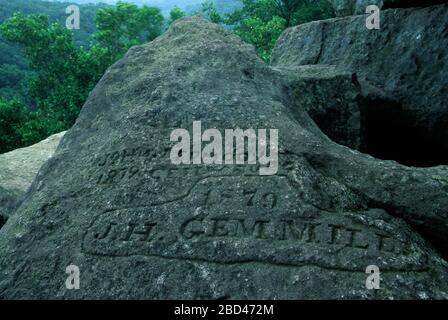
{"points": [[189, 6], [223, 6], [12, 65], [56, 13]]}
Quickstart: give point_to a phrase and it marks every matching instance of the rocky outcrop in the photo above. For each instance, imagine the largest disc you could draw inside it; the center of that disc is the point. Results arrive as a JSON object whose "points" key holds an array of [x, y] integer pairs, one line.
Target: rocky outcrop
{"points": [[354, 7], [406, 60], [18, 169], [111, 201]]}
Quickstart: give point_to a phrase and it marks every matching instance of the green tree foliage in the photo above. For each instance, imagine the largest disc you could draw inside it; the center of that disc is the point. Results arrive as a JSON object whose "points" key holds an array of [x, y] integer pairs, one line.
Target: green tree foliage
{"points": [[312, 10], [61, 68], [12, 118], [13, 65], [262, 9], [48, 48], [260, 22], [63, 74], [175, 14], [124, 25], [55, 87], [209, 10], [287, 8], [261, 34]]}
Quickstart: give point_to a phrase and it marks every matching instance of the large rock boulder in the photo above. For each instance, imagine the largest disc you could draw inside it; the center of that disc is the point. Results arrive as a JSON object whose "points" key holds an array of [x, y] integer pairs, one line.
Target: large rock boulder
{"points": [[407, 59], [18, 169], [138, 226]]}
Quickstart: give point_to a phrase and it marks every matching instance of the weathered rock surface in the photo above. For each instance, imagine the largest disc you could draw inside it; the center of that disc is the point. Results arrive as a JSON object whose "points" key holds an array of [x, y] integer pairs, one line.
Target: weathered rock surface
{"points": [[354, 7], [407, 59], [111, 202], [18, 169]]}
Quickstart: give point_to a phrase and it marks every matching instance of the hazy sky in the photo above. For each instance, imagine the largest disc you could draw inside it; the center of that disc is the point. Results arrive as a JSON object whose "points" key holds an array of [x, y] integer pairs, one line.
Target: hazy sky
{"points": [[166, 5], [180, 3]]}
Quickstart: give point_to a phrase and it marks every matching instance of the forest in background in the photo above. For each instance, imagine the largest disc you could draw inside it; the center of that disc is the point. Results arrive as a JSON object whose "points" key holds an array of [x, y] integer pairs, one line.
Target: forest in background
{"points": [[13, 64], [48, 71]]}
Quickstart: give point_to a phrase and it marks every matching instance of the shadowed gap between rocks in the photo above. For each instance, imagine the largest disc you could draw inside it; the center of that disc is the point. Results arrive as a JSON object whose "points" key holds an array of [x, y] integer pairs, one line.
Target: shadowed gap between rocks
{"points": [[2, 221], [439, 246], [386, 133]]}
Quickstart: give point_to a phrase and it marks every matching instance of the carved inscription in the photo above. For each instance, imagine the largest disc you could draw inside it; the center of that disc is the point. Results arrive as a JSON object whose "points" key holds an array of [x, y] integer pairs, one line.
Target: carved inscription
{"points": [[249, 197], [288, 230], [128, 232], [257, 237], [128, 164], [230, 215], [167, 172]]}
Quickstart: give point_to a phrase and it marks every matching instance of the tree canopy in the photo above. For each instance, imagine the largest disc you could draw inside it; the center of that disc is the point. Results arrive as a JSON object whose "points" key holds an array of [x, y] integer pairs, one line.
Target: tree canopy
{"points": [[55, 72], [175, 14]]}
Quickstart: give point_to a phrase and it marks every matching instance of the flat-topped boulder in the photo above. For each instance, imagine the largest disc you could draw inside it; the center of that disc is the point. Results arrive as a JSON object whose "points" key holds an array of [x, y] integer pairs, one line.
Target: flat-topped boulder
{"points": [[112, 202], [18, 169], [406, 59]]}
